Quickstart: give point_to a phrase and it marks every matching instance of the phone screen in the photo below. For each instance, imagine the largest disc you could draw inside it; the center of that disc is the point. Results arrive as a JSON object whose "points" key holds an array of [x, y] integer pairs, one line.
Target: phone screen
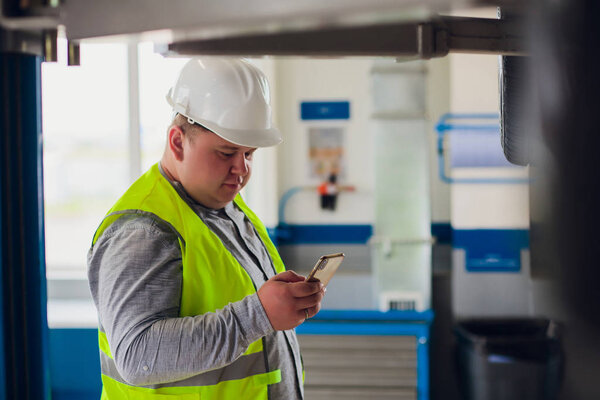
{"points": [[325, 268]]}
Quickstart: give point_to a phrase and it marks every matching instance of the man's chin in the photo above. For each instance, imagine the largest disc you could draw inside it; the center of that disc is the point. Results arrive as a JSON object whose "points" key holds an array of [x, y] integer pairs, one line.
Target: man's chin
{"points": [[228, 196]]}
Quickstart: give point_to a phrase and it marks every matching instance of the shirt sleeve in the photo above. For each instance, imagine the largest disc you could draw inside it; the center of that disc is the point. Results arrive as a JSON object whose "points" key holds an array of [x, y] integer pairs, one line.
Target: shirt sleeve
{"points": [[135, 274]]}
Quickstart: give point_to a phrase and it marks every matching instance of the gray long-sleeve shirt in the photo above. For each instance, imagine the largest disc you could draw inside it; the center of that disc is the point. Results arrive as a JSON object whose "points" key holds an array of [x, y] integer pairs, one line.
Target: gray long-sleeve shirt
{"points": [[135, 275]]}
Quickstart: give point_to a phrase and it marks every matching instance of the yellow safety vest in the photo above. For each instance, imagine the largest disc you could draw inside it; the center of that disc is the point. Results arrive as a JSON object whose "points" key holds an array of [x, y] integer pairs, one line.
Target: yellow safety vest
{"points": [[212, 278]]}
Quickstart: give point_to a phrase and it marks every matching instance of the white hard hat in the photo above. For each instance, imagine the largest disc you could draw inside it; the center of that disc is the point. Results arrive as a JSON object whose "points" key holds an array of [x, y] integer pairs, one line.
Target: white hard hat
{"points": [[227, 96]]}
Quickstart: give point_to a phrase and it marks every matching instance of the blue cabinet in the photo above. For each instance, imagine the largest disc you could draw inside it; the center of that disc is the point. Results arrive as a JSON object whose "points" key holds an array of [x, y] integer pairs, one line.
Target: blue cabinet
{"points": [[366, 354]]}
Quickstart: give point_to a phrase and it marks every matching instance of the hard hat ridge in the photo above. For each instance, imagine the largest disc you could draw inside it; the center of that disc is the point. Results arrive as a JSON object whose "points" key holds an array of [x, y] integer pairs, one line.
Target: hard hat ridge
{"points": [[229, 97]]}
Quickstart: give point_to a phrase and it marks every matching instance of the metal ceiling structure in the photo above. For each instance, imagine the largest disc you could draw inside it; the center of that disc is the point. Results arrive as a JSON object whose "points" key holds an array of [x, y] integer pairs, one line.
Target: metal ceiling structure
{"points": [[400, 28], [405, 40]]}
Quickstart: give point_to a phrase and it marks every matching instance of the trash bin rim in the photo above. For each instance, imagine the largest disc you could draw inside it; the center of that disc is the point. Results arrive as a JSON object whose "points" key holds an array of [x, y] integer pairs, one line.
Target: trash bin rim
{"points": [[551, 330]]}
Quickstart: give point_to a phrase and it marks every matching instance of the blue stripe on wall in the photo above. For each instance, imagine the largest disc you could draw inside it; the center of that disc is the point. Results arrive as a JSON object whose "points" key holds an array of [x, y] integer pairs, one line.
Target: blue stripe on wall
{"points": [[350, 234], [314, 234], [489, 250], [320, 110]]}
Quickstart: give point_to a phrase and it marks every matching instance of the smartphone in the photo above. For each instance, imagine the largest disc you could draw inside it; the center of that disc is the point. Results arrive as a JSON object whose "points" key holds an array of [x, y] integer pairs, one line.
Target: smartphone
{"points": [[325, 268]]}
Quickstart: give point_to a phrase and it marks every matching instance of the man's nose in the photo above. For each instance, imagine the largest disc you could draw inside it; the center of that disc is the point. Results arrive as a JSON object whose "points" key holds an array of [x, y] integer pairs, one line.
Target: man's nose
{"points": [[240, 165]]}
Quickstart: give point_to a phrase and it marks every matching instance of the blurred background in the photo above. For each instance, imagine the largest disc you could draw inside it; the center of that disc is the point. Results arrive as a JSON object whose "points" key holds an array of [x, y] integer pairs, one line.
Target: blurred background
{"points": [[463, 191]]}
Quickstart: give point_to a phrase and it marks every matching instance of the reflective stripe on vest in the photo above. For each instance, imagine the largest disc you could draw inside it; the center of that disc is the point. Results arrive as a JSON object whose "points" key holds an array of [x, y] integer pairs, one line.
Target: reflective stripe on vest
{"points": [[206, 287]]}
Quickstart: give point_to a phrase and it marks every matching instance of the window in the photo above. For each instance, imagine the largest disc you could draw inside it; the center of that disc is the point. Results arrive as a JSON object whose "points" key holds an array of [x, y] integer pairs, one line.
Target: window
{"points": [[87, 158], [156, 76], [85, 122]]}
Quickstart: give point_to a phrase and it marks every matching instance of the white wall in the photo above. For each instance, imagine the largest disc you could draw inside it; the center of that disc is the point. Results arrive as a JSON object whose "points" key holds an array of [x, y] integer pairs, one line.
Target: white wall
{"points": [[474, 88], [456, 83], [261, 192], [308, 79], [299, 79], [474, 77], [438, 103], [473, 83]]}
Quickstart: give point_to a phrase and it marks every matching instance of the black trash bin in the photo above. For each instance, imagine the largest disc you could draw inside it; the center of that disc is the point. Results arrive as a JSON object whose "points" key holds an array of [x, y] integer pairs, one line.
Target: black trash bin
{"points": [[509, 359]]}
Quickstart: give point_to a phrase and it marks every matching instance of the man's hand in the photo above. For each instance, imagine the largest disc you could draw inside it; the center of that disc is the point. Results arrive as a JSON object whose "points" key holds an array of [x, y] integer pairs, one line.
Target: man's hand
{"points": [[288, 299]]}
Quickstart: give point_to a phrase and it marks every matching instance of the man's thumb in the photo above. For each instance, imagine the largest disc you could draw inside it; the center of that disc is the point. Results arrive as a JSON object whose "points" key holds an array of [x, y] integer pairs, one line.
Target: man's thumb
{"points": [[289, 276]]}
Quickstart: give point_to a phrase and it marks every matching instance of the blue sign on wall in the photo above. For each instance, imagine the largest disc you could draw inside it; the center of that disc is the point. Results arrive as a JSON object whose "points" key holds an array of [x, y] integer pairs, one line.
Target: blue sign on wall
{"points": [[323, 110], [491, 250]]}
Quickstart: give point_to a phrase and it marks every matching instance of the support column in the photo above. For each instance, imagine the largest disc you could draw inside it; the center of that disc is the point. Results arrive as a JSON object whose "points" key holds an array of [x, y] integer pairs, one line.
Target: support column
{"points": [[24, 372]]}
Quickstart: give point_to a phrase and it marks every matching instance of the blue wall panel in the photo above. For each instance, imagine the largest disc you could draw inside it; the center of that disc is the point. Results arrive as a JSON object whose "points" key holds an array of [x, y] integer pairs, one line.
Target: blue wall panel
{"points": [[74, 364], [491, 250], [315, 234]]}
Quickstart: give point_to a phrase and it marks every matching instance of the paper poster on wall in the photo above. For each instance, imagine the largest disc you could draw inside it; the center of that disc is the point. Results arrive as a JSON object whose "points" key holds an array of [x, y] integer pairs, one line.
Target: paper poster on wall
{"points": [[326, 152]]}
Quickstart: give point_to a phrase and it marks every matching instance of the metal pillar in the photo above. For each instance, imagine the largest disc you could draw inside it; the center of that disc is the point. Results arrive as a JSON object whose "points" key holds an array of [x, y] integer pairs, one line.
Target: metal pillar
{"points": [[23, 321]]}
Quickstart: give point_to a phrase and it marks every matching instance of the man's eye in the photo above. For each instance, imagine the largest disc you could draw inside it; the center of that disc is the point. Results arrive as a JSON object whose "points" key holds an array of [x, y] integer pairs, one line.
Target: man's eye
{"points": [[226, 154], [249, 154]]}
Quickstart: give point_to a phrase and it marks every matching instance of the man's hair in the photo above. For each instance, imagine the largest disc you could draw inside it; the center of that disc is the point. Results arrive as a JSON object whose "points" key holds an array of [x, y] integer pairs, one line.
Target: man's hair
{"points": [[189, 130]]}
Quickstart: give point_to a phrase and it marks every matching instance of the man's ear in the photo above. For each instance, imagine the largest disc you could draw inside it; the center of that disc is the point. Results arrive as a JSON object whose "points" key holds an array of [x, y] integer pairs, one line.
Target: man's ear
{"points": [[175, 142]]}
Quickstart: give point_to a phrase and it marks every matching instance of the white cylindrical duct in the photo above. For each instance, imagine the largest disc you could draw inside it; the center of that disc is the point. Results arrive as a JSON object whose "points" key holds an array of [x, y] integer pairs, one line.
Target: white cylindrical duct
{"points": [[402, 242]]}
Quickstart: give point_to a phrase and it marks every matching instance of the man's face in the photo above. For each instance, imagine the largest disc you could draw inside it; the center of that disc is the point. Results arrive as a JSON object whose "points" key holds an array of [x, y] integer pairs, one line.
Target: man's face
{"points": [[213, 170]]}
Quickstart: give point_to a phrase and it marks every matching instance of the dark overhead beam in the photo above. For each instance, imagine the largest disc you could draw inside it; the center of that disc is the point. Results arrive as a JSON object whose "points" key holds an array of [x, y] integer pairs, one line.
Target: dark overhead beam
{"points": [[389, 40], [483, 35], [419, 40]]}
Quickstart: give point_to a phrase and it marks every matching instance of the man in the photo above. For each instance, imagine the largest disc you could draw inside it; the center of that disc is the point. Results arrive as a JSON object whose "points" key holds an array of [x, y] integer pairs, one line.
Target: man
{"points": [[192, 296]]}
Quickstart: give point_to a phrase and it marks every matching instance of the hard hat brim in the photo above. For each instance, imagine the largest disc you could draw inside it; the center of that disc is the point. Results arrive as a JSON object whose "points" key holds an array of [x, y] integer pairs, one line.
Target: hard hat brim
{"points": [[244, 137]]}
